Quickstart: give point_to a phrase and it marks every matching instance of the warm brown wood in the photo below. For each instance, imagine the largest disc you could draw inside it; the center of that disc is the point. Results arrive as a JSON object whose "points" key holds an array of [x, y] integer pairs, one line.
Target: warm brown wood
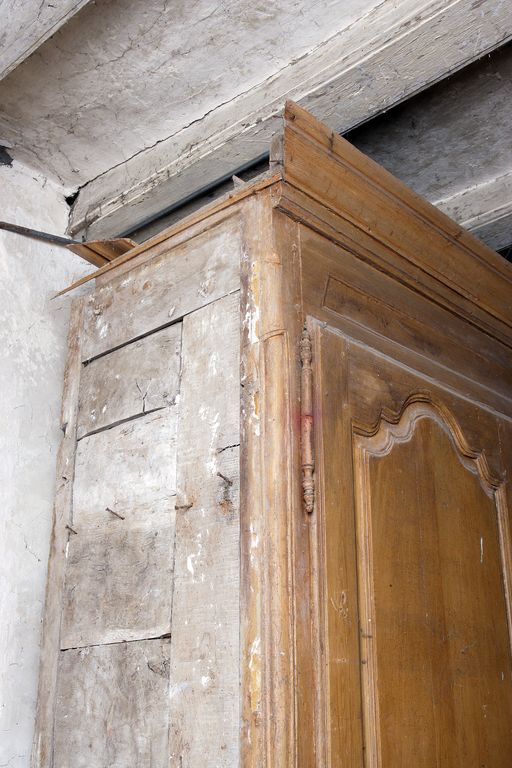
{"points": [[306, 423], [337, 593], [420, 319], [280, 664], [436, 679], [102, 252], [419, 238]]}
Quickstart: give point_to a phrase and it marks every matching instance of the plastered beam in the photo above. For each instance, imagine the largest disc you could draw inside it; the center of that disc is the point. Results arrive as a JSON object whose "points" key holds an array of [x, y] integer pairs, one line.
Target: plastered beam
{"points": [[451, 144], [390, 53], [485, 209], [26, 25]]}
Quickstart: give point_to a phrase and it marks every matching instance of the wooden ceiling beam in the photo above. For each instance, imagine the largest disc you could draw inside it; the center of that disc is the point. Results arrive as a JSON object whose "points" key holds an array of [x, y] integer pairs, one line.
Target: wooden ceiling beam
{"points": [[392, 52]]}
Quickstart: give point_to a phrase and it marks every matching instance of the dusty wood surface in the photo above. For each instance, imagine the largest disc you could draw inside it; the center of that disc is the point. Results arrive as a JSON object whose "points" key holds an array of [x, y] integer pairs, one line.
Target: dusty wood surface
{"points": [[119, 578], [120, 560], [356, 73], [133, 380], [163, 290], [204, 721], [43, 736], [113, 706], [184, 228], [126, 468], [30, 24]]}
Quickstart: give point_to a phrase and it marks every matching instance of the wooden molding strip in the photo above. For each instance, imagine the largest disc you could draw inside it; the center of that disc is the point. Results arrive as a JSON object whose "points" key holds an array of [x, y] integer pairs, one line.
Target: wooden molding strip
{"points": [[354, 188]]}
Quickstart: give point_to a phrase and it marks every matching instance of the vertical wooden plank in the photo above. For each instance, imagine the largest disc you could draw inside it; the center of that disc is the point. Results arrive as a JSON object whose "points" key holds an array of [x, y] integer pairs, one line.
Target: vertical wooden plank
{"points": [[205, 613], [337, 569], [43, 737], [273, 530]]}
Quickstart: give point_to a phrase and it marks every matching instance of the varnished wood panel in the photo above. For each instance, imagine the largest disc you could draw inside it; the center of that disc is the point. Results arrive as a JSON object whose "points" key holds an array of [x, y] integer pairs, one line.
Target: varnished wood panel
{"points": [[428, 604], [163, 290], [357, 297], [340, 702], [133, 380], [205, 612], [437, 666], [113, 706]]}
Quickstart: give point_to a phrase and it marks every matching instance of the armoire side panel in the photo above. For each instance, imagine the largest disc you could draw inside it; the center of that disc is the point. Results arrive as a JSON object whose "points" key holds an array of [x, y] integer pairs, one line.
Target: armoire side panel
{"points": [[145, 669]]}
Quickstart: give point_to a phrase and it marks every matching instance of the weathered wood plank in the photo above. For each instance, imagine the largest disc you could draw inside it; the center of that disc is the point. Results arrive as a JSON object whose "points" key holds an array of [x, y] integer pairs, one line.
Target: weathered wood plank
{"points": [[43, 735], [133, 380], [119, 579], [205, 711], [120, 561], [163, 290], [113, 706], [127, 468]]}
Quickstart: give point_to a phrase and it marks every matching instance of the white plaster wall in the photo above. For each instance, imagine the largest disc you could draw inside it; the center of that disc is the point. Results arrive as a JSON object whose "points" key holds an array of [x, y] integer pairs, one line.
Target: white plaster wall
{"points": [[33, 331]]}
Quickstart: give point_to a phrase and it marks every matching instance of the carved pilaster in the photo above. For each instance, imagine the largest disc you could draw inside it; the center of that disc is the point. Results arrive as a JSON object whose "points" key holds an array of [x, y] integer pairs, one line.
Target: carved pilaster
{"points": [[307, 451]]}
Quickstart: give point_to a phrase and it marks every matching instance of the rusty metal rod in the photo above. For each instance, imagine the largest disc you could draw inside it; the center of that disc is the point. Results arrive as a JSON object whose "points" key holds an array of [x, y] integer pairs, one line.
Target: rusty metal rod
{"points": [[35, 234]]}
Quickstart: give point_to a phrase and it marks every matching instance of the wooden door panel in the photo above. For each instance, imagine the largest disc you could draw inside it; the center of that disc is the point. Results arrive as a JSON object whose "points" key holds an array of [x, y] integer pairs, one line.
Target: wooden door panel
{"points": [[414, 537], [434, 636]]}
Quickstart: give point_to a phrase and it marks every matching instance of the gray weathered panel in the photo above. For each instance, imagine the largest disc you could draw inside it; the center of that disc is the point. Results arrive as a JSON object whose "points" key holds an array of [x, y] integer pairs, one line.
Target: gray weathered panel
{"points": [[112, 706], [171, 285], [205, 716], [119, 579], [127, 468], [120, 560], [132, 380]]}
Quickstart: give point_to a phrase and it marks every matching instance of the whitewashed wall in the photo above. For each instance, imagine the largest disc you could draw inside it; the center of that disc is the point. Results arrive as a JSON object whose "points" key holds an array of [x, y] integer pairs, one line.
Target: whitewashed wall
{"points": [[33, 331]]}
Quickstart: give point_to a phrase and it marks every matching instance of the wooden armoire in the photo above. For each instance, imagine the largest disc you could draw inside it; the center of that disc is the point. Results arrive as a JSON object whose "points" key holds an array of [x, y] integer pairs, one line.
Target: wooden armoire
{"points": [[282, 531]]}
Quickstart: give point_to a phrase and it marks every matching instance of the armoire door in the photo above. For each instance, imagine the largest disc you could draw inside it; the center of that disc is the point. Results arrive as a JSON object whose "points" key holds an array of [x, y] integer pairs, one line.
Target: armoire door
{"points": [[412, 496], [407, 479]]}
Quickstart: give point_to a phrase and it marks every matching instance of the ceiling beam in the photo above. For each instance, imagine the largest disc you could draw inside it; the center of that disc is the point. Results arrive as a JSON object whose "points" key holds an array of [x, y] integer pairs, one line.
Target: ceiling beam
{"points": [[392, 52], [452, 145], [485, 209], [29, 24]]}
